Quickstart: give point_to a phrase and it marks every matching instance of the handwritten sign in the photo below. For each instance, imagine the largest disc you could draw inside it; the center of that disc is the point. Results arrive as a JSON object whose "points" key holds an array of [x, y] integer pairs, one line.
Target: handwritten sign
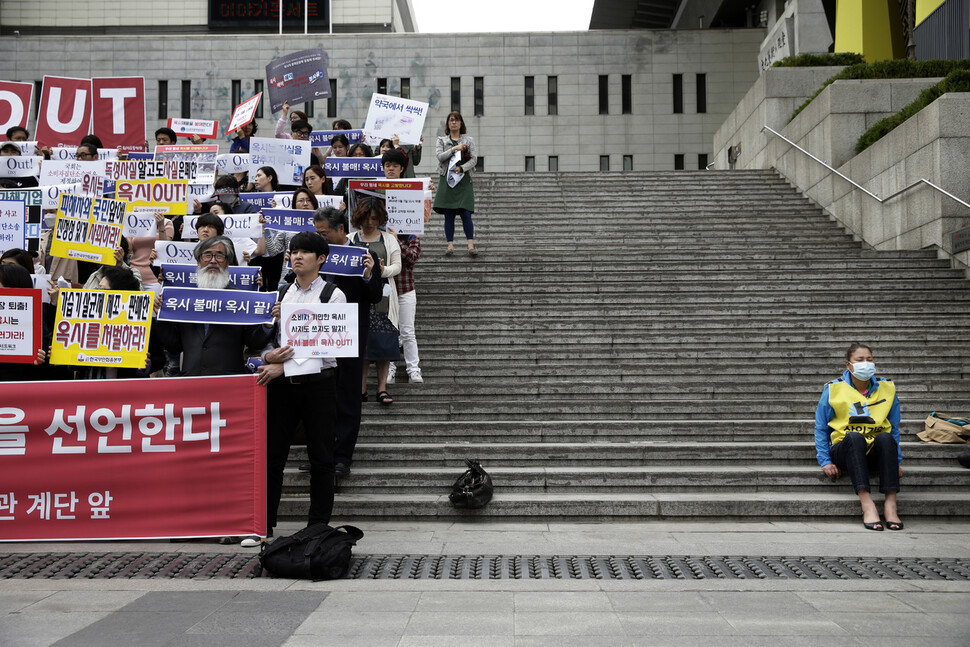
{"points": [[102, 328]]}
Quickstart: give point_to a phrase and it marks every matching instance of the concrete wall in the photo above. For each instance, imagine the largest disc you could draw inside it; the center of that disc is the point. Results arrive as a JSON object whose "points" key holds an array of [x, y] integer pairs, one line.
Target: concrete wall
{"points": [[935, 145], [578, 135]]}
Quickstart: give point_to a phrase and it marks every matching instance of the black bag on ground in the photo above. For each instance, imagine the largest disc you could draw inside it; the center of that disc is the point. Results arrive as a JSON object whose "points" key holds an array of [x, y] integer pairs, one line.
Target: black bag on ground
{"points": [[317, 552], [473, 489]]}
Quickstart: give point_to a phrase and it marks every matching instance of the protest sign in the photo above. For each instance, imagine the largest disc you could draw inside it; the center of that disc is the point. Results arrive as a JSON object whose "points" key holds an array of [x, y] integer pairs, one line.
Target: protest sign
{"points": [[42, 282], [173, 196], [33, 200], [68, 171], [118, 108], [52, 193], [288, 157], [340, 167], [102, 328], [15, 101], [204, 155], [65, 110], [144, 155], [127, 456], [20, 327], [240, 225], [198, 127], [297, 78], [88, 229], [169, 252], [233, 307], [389, 116], [20, 166], [321, 138], [26, 148], [12, 224], [152, 170], [244, 113], [92, 185], [345, 260], [233, 163], [262, 200], [140, 223], [293, 220], [69, 153], [403, 200], [316, 330], [241, 277]]}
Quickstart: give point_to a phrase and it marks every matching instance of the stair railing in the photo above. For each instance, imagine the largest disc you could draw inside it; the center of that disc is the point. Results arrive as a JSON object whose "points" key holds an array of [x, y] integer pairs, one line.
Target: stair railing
{"points": [[872, 195]]}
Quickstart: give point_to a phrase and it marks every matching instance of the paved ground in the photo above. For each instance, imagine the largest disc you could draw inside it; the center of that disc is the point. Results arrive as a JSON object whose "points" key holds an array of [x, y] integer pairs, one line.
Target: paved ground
{"points": [[136, 612]]}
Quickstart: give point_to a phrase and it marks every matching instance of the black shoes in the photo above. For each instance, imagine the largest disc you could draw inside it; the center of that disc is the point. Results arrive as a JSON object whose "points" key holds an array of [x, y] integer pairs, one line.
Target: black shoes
{"points": [[341, 469]]}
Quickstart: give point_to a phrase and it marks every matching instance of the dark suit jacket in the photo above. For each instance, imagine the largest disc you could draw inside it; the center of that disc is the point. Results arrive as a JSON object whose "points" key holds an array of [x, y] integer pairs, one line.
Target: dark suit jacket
{"points": [[363, 293], [220, 351]]}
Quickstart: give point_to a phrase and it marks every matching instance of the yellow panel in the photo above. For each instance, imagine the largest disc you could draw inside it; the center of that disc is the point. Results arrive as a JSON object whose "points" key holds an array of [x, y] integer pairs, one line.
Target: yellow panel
{"points": [[868, 27], [925, 7]]}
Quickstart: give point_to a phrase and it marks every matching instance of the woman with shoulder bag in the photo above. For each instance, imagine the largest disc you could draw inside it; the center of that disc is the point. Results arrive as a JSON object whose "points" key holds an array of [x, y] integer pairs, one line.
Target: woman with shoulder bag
{"points": [[457, 200]]}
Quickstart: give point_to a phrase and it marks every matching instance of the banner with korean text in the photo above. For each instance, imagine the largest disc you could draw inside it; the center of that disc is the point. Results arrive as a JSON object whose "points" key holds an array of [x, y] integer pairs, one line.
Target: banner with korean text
{"points": [[102, 328], [88, 229], [241, 277], [199, 127], [338, 167], [292, 220], [13, 216], [316, 330], [133, 459], [403, 199], [288, 157], [33, 199], [232, 307], [297, 78], [345, 260], [388, 116], [321, 138]]}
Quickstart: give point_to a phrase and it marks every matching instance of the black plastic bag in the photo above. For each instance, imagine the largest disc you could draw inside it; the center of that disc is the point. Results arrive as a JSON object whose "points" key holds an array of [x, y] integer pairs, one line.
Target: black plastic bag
{"points": [[473, 489]]}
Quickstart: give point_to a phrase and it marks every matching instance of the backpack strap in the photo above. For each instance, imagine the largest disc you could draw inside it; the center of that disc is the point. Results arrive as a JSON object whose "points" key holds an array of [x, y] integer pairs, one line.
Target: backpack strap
{"points": [[327, 292]]}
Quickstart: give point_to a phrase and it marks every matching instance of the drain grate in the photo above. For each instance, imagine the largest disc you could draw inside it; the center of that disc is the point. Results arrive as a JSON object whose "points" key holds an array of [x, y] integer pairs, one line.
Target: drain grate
{"points": [[490, 567]]}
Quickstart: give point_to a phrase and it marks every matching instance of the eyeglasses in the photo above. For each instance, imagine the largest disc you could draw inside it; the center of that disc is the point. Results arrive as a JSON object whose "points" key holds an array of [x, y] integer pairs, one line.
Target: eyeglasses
{"points": [[213, 256], [82, 156], [305, 133]]}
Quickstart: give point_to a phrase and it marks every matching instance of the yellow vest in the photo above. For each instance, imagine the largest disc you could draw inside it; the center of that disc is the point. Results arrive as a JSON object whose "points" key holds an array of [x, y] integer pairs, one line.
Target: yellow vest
{"points": [[855, 412]]}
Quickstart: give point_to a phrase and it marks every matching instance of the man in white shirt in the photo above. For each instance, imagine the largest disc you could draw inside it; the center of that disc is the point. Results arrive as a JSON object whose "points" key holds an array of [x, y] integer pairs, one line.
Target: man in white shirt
{"points": [[309, 397]]}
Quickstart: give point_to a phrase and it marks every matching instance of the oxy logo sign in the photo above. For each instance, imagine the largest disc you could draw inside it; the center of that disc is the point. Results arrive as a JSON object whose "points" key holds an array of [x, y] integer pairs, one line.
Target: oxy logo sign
{"points": [[172, 252], [140, 224]]}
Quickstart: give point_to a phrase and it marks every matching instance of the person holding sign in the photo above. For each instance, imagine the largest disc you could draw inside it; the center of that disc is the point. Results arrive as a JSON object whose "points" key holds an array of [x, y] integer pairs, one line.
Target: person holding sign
{"points": [[382, 335], [457, 156], [240, 143], [14, 276], [307, 393]]}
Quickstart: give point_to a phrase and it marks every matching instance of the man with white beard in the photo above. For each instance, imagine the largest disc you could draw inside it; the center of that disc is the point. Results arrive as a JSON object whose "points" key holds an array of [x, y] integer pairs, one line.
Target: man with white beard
{"points": [[212, 349]]}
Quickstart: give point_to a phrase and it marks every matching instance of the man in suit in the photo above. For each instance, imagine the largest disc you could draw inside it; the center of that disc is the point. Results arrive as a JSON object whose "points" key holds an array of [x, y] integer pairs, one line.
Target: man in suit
{"points": [[363, 290], [212, 349]]}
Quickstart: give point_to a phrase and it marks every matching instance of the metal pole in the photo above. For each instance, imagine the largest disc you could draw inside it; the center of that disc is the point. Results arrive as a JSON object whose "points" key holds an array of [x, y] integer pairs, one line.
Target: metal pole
{"points": [[281, 17], [306, 16], [330, 14]]}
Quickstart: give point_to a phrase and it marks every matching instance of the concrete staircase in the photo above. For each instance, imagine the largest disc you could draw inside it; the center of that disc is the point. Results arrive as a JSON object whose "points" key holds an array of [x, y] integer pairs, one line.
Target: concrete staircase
{"points": [[652, 345]]}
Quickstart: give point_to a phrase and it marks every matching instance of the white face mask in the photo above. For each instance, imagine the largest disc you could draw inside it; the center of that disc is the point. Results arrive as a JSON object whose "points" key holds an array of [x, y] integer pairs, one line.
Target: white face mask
{"points": [[863, 370]]}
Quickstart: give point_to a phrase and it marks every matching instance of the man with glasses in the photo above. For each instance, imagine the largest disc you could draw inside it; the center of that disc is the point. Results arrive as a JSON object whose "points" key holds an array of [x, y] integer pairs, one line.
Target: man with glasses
{"points": [[212, 349], [300, 131], [86, 153]]}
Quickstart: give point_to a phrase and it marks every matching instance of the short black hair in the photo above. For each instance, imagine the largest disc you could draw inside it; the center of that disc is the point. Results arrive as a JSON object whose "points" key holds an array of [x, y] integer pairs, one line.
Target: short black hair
{"points": [[15, 276], [396, 156], [211, 220], [13, 130], [120, 278], [301, 124], [226, 182], [22, 256], [94, 140], [340, 138], [342, 124], [168, 132], [310, 241], [10, 146]]}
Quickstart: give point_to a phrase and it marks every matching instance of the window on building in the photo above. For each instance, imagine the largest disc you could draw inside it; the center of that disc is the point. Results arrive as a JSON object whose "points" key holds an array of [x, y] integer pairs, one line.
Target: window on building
{"points": [[553, 162], [163, 99], [257, 88], [701, 93], [553, 95], [679, 162], [530, 163], [628, 162], [405, 88], [186, 99], [235, 95], [332, 100], [530, 95], [308, 109], [604, 162], [479, 96], [627, 87], [702, 161], [480, 164], [604, 94], [381, 86], [678, 94], [456, 94]]}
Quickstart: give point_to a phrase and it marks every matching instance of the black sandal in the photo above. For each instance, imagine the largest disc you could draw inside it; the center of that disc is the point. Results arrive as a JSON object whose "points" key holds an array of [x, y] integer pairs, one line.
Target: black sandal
{"points": [[875, 525], [363, 396], [894, 525], [384, 397]]}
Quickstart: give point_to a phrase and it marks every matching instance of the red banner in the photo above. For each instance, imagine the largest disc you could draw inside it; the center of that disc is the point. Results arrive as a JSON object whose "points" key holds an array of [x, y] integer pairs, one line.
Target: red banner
{"points": [[14, 105], [119, 112], [65, 111], [132, 459]]}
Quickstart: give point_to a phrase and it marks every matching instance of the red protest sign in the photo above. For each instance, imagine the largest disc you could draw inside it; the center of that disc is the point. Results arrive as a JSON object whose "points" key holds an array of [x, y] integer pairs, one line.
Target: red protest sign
{"points": [[119, 112], [133, 459], [244, 113], [20, 328], [65, 111], [15, 99]]}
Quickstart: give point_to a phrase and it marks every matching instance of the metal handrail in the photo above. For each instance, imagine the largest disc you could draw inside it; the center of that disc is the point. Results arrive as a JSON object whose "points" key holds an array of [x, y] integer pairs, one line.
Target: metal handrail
{"points": [[859, 186]]}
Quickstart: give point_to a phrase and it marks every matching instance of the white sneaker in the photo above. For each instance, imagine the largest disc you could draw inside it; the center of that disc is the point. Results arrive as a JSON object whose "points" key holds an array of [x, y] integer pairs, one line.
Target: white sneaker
{"points": [[251, 541], [415, 375]]}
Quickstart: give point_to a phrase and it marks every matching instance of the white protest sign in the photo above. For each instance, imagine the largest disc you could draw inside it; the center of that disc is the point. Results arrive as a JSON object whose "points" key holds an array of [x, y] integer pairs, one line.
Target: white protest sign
{"points": [[241, 225], [243, 246], [201, 127], [42, 282], [317, 330], [233, 163], [200, 192], [52, 193], [453, 177], [405, 210], [244, 113], [140, 223], [69, 152], [19, 166], [288, 157], [388, 116], [170, 251], [68, 171], [283, 201], [12, 224], [26, 148]]}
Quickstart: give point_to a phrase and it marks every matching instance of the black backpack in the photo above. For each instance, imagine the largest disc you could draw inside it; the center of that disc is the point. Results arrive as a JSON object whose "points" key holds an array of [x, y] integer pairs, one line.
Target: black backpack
{"points": [[473, 489], [317, 552]]}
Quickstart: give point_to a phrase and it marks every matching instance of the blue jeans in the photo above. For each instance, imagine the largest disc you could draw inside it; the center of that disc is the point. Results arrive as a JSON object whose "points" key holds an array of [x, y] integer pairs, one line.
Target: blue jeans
{"points": [[466, 223]]}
